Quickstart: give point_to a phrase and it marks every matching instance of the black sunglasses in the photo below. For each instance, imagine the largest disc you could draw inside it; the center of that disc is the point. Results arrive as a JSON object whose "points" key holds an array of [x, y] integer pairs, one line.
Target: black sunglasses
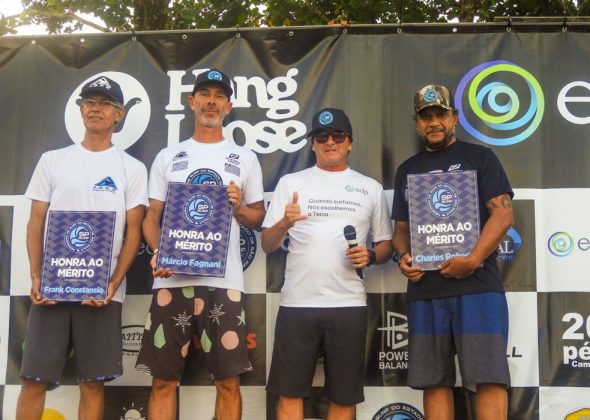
{"points": [[337, 136]]}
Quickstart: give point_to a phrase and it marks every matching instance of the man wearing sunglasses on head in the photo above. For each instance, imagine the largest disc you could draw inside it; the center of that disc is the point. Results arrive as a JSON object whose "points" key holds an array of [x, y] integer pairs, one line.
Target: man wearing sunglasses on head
{"points": [[94, 176], [323, 299]]}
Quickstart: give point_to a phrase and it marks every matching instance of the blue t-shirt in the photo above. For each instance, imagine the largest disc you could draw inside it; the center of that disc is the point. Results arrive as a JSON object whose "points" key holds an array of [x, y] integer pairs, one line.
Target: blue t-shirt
{"points": [[491, 182]]}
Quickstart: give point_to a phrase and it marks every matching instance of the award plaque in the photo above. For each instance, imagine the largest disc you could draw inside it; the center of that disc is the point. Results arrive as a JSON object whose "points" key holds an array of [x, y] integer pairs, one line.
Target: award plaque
{"points": [[77, 255], [444, 216], [195, 229]]}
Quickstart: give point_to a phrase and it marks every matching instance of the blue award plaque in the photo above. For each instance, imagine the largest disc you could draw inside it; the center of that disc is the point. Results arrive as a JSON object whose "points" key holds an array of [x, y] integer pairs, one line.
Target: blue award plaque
{"points": [[77, 255], [444, 216], [195, 229]]}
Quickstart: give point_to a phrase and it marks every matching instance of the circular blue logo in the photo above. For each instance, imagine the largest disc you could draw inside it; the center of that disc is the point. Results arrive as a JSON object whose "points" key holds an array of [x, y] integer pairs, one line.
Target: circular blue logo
{"points": [[214, 75], [500, 103], [430, 95], [247, 246], [349, 188], [79, 236], [198, 209], [442, 200], [398, 411], [560, 244], [204, 176], [326, 118]]}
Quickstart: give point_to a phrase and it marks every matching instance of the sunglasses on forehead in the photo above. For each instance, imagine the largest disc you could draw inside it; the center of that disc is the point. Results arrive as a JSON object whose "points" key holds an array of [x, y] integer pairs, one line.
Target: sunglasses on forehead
{"points": [[337, 136]]}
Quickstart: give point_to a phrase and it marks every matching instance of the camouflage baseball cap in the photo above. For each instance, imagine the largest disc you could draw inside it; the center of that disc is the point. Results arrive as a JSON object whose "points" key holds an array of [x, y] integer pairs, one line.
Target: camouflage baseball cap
{"points": [[433, 95]]}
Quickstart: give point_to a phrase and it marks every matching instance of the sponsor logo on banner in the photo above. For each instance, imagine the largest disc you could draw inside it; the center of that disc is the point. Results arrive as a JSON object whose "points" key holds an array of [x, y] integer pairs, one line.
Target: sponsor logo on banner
{"points": [[398, 411], [501, 98], [133, 413], [580, 88], [247, 246], [396, 342], [132, 335], [562, 244], [577, 354], [137, 107], [509, 246], [279, 132]]}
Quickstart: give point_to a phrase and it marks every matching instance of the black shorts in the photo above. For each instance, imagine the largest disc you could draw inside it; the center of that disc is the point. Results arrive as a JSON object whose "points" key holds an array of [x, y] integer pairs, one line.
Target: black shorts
{"points": [[301, 334], [212, 316], [94, 334]]}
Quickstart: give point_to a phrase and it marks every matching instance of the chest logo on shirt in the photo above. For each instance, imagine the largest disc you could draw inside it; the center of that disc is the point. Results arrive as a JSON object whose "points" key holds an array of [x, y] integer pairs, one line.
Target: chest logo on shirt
{"points": [[204, 176], [232, 164], [454, 167], [105, 184], [351, 188], [181, 155]]}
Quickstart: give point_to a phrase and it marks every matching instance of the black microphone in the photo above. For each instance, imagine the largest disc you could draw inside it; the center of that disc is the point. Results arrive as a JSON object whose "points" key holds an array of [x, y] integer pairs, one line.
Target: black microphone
{"points": [[350, 236]]}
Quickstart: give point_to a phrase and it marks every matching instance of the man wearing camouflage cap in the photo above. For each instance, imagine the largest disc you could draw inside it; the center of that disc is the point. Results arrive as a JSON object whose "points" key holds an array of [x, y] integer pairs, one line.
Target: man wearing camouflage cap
{"points": [[323, 301], [461, 307]]}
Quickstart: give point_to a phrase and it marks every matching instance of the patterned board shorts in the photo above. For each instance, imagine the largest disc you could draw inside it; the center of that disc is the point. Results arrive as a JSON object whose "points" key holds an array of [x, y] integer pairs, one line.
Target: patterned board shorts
{"points": [[212, 317]]}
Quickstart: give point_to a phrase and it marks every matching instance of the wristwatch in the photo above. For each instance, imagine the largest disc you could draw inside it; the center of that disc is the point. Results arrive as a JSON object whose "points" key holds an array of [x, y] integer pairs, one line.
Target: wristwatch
{"points": [[372, 257], [397, 258]]}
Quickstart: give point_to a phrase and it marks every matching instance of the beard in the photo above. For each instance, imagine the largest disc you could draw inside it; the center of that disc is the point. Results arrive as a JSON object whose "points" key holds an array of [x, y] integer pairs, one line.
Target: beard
{"points": [[441, 144], [210, 122]]}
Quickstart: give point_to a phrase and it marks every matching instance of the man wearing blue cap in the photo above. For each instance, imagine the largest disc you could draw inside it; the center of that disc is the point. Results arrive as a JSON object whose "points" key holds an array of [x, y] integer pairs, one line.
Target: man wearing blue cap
{"points": [[460, 309], [106, 180], [210, 308], [329, 212]]}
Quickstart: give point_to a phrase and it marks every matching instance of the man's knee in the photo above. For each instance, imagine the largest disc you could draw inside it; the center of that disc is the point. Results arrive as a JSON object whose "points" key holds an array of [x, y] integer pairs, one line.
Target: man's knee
{"points": [[163, 386], [29, 385], [228, 385], [91, 387]]}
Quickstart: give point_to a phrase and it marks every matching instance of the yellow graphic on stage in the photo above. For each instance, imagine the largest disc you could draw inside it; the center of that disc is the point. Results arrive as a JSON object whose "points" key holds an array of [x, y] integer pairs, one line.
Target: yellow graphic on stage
{"points": [[582, 414], [51, 414]]}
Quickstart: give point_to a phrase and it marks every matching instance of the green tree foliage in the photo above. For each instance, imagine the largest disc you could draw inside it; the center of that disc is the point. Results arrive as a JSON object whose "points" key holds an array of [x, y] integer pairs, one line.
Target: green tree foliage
{"points": [[66, 16]]}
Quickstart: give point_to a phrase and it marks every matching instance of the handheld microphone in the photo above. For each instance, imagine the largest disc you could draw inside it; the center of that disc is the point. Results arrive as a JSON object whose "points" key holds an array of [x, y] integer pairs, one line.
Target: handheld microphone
{"points": [[350, 236]]}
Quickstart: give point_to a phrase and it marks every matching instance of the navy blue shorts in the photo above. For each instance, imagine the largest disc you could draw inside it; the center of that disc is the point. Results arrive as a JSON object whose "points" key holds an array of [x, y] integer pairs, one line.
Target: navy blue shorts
{"points": [[474, 327]]}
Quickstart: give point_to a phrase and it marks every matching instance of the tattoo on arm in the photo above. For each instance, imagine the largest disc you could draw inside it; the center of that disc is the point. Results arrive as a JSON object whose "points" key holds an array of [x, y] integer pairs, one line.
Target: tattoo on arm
{"points": [[500, 201]]}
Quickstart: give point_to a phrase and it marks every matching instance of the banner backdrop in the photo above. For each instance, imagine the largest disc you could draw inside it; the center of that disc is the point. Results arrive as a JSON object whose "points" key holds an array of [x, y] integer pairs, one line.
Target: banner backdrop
{"points": [[525, 94]]}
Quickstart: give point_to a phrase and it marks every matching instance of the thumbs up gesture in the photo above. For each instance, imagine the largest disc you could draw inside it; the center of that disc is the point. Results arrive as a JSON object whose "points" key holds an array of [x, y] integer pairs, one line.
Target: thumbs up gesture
{"points": [[293, 211]]}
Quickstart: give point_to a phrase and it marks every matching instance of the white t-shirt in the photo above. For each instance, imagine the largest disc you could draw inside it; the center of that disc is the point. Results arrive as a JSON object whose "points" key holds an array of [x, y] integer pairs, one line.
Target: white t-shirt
{"points": [[76, 179], [209, 163], [318, 272]]}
